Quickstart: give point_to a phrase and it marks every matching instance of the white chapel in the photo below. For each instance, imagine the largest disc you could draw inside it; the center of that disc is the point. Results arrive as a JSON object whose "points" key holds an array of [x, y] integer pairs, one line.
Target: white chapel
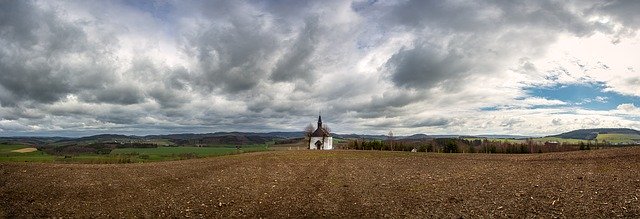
{"points": [[321, 139]]}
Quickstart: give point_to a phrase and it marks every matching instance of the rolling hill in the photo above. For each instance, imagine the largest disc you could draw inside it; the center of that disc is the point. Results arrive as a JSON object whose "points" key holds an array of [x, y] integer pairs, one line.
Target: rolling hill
{"points": [[592, 134], [613, 135]]}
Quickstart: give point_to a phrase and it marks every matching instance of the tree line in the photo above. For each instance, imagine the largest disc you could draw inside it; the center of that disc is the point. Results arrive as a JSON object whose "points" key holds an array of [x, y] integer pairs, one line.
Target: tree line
{"points": [[93, 148], [458, 145]]}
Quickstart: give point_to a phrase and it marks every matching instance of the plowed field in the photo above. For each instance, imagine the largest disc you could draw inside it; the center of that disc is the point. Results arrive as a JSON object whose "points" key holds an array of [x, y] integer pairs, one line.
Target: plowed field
{"points": [[599, 183]]}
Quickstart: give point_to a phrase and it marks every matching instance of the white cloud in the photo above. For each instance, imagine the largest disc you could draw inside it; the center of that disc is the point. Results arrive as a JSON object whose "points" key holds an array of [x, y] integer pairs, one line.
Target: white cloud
{"points": [[576, 60], [628, 108]]}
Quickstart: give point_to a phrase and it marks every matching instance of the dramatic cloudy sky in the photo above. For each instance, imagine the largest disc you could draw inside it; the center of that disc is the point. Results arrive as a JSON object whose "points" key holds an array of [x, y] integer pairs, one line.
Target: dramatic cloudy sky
{"points": [[467, 67]]}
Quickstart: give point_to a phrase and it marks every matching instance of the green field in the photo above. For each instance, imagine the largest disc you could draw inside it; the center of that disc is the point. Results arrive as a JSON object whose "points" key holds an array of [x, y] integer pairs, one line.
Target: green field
{"points": [[7, 148], [159, 142], [560, 140], [611, 138], [513, 141], [175, 153], [539, 140], [126, 155], [6, 154], [618, 138]]}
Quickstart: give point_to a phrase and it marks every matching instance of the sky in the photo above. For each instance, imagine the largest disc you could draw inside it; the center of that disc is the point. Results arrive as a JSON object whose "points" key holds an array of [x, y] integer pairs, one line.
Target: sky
{"points": [[77, 68]]}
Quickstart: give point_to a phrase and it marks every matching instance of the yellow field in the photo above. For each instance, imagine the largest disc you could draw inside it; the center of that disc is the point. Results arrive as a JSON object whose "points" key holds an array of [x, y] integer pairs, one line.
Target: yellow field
{"points": [[25, 150]]}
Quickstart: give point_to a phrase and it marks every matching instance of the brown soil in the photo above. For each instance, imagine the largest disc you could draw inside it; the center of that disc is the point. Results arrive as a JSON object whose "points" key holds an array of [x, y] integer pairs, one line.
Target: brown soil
{"points": [[25, 150], [602, 183]]}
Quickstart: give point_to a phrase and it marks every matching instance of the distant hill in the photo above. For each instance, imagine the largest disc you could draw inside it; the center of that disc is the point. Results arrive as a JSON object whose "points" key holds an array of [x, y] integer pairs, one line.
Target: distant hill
{"points": [[505, 136], [248, 138], [31, 140], [222, 138], [415, 137], [590, 134], [105, 137], [423, 136], [359, 136]]}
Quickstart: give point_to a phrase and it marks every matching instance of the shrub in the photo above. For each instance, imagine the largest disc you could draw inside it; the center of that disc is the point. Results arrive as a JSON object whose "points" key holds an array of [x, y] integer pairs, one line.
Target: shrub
{"points": [[429, 147], [103, 151], [451, 147]]}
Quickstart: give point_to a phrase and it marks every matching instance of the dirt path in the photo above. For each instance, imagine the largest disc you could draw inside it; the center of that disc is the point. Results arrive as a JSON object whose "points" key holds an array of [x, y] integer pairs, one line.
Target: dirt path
{"points": [[604, 183]]}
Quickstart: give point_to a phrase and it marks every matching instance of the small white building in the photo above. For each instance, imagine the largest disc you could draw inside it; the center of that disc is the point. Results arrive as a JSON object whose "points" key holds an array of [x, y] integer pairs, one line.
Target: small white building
{"points": [[321, 139]]}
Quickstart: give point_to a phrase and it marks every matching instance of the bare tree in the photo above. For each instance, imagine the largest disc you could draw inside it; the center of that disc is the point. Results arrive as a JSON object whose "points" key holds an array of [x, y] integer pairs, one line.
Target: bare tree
{"points": [[308, 130], [307, 133], [391, 140], [326, 128]]}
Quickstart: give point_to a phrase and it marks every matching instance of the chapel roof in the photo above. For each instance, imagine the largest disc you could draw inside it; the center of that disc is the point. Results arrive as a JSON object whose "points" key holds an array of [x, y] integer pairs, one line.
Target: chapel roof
{"points": [[320, 132]]}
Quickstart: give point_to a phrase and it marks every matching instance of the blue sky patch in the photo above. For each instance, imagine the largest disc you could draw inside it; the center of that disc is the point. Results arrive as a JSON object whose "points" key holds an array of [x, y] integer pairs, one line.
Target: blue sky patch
{"points": [[157, 9], [588, 96], [489, 108]]}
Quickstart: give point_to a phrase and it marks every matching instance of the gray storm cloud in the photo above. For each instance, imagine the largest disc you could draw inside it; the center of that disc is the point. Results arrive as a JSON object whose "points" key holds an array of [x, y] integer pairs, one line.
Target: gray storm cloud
{"points": [[95, 67], [45, 58], [295, 63], [425, 67]]}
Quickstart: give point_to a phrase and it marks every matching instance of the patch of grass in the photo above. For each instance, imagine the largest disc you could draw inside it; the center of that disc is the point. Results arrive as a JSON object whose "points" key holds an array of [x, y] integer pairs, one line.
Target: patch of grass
{"points": [[125, 155], [339, 140], [6, 154], [618, 138], [7, 148], [539, 140], [36, 156]]}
